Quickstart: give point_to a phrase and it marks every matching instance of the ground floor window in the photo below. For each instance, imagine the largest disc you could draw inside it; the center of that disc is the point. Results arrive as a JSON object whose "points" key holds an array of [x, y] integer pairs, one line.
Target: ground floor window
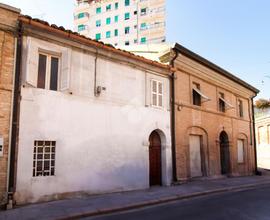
{"points": [[240, 149], [44, 158]]}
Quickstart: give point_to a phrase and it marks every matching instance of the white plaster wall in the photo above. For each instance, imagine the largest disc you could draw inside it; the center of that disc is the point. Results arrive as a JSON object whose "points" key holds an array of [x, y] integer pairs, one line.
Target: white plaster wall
{"points": [[101, 142]]}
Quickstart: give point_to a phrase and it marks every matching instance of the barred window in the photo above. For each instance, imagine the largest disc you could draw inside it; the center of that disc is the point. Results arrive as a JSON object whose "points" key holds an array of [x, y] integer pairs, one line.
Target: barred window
{"points": [[44, 158]]}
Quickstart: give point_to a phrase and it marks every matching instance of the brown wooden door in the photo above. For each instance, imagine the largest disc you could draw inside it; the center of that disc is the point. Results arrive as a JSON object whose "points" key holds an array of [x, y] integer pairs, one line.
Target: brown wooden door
{"points": [[155, 159], [224, 153]]}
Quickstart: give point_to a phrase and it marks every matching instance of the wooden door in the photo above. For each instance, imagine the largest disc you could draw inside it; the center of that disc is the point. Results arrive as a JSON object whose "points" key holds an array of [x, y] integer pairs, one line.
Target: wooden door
{"points": [[195, 156], [224, 153], [154, 159]]}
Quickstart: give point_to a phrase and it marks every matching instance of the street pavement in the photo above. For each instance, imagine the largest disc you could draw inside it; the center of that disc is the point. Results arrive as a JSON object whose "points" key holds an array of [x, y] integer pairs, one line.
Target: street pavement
{"points": [[252, 204], [75, 208]]}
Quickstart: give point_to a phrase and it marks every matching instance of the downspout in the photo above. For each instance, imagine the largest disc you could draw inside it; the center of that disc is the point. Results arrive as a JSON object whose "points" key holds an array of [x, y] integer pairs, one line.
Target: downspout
{"points": [[15, 117], [95, 74], [254, 138], [173, 119]]}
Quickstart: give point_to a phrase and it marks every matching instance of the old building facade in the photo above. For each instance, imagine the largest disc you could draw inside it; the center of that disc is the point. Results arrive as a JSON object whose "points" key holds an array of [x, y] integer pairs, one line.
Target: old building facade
{"points": [[262, 119], [213, 119], [8, 26], [93, 119]]}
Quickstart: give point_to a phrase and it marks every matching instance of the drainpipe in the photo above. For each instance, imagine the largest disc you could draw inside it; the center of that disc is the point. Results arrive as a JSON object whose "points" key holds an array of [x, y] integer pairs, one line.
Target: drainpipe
{"points": [[254, 139], [95, 74], [173, 119], [15, 117]]}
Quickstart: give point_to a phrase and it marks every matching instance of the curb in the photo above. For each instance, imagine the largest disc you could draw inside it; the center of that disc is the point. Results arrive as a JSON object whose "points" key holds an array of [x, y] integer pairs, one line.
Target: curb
{"points": [[161, 201]]}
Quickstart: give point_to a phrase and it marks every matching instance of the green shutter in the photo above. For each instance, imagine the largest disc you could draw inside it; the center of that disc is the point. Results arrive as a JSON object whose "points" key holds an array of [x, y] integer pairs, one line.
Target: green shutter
{"points": [[98, 36], [81, 15], [116, 5], [98, 10], [108, 34], [143, 40], [81, 27], [116, 32], [98, 23], [127, 16], [116, 18], [127, 2], [108, 20]]}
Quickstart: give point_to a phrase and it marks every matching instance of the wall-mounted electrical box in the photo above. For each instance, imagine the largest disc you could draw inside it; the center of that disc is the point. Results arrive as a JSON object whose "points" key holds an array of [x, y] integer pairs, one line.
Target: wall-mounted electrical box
{"points": [[1, 146]]}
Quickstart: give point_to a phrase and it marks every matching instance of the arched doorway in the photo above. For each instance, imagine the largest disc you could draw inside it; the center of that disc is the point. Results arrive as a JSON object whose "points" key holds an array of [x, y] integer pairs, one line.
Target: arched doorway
{"points": [[154, 159], [224, 153]]}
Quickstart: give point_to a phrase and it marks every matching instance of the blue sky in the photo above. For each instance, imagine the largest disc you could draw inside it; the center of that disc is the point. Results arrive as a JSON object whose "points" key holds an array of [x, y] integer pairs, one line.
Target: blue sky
{"points": [[233, 34]]}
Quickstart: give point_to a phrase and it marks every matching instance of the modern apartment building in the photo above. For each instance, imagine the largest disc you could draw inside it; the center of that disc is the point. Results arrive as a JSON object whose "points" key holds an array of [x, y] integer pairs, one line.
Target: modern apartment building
{"points": [[121, 22]]}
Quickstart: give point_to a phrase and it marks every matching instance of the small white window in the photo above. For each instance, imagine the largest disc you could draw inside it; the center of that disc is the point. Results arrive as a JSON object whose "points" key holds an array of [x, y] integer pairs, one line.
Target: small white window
{"points": [[44, 158], [48, 71], [240, 150], [157, 93]]}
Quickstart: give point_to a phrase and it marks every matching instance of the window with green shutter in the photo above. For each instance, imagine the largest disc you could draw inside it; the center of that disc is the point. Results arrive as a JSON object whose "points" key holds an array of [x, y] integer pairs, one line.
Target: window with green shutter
{"points": [[116, 18], [127, 2], [98, 23], [98, 10], [127, 30], [116, 5], [143, 26], [116, 32], [127, 16], [108, 34], [81, 15], [98, 36], [108, 7], [81, 27], [108, 20], [143, 40]]}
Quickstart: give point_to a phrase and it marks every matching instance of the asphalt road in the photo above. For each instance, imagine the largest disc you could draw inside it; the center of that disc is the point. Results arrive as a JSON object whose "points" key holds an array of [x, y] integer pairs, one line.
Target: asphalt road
{"points": [[246, 205]]}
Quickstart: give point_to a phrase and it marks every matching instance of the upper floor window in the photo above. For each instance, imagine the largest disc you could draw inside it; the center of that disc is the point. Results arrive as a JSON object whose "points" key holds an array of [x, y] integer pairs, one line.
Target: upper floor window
{"points": [[116, 32], [222, 107], [127, 43], [98, 10], [108, 20], [81, 27], [127, 16], [156, 93], [81, 15], [196, 95], [127, 2], [116, 5], [48, 68], [240, 108], [116, 18], [98, 36], [127, 30], [108, 7], [143, 40], [108, 34], [143, 26], [143, 11], [98, 23]]}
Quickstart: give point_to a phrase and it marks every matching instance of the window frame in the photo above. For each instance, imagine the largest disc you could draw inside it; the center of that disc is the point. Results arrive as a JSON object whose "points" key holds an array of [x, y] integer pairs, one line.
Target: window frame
{"points": [[127, 2], [157, 93], [242, 161], [127, 16], [240, 108], [48, 71], [108, 21], [98, 10], [221, 103]]}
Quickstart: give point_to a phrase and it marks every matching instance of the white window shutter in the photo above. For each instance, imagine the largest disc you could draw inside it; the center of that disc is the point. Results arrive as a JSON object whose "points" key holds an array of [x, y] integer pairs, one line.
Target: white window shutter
{"points": [[65, 70], [32, 63]]}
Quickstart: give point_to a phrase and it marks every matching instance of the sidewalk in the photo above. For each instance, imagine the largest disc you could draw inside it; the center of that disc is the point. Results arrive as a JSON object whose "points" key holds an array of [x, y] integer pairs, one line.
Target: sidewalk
{"points": [[103, 204]]}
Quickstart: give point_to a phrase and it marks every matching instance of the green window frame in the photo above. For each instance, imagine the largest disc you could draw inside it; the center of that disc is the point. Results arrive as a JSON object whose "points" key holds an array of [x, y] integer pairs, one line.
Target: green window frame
{"points": [[143, 40], [127, 2], [127, 30], [81, 15], [98, 10], [127, 16], [108, 7], [98, 23], [116, 18], [98, 36], [143, 11], [116, 32], [81, 27], [143, 26], [108, 34], [116, 5], [108, 20]]}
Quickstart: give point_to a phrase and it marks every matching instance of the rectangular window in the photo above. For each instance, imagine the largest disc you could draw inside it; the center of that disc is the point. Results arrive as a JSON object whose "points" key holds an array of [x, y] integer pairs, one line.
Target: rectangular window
{"points": [[108, 20], [221, 103], [127, 16], [240, 150], [127, 30], [81, 15], [44, 158], [157, 93], [260, 134], [143, 11], [116, 32], [116, 5], [98, 10], [81, 27], [143, 26], [135, 12], [195, 95], [135, 41], [108, 7], [98, 36], [126, 43], [116, 18], [48, 67], [143, 40], [127, 2], [98, 23], [240, 109], [108, 34]]}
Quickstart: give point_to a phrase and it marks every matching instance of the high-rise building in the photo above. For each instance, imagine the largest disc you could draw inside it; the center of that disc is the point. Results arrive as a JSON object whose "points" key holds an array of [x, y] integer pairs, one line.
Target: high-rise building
{"points": [[121, 22]]}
